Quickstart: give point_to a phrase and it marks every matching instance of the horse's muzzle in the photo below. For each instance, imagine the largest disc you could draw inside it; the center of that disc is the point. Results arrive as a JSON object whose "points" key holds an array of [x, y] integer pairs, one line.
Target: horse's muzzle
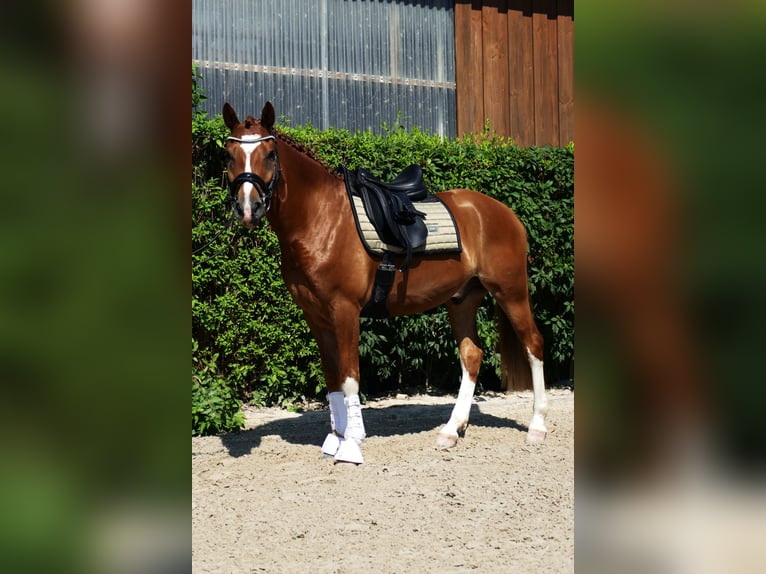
{"points": [[255, 215], [259, 207]]}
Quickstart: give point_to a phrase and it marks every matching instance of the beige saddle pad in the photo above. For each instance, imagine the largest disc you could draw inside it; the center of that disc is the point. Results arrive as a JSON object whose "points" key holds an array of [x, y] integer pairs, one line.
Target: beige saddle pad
{"points": [[443, 236]]}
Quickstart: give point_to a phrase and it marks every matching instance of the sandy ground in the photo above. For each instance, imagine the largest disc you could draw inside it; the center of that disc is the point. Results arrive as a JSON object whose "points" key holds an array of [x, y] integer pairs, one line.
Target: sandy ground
{"points": [[263, 500]]}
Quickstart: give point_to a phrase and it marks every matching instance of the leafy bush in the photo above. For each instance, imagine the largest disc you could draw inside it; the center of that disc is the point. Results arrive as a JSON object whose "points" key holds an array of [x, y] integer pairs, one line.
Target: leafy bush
{"points": [[245, 322], [215, 405]]}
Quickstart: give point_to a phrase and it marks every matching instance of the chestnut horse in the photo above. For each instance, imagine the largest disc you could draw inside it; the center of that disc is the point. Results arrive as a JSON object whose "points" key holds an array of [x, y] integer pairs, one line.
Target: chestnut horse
{"points": [[331, 275]]}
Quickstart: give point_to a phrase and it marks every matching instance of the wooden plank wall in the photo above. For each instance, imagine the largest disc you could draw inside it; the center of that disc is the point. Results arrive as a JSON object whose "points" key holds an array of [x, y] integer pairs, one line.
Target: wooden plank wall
{"points": [[514, 66]]}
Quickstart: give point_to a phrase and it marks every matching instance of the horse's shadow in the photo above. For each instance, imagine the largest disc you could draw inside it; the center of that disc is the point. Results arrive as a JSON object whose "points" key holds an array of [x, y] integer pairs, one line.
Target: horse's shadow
{"points": [[309, 428]]}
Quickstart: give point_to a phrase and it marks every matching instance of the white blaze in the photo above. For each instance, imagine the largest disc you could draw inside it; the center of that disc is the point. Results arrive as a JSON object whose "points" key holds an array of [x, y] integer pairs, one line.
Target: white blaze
{"points": [[248, 144]]}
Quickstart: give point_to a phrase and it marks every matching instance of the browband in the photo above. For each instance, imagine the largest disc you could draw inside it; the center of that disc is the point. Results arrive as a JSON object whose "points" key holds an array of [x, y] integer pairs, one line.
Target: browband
{"points": [[254, 140]]}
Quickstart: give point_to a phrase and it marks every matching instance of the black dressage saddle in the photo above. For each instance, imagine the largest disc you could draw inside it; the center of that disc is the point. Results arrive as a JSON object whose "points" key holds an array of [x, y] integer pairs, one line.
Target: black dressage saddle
{"points": [[409, 181], [390, 207]]}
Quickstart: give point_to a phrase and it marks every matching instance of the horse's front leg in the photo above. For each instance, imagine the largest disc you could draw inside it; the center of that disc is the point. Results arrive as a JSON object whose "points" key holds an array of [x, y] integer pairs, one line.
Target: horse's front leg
{"points": [[339, 347], [344, 441]]}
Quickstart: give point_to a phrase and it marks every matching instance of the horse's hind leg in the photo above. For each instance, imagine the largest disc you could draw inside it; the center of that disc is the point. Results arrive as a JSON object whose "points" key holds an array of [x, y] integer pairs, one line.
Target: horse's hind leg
{"points": [[463, 320], [519, 312]]}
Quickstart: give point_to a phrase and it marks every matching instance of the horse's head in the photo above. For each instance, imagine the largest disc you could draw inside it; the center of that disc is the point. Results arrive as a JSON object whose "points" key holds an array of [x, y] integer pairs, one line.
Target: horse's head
{"points": [[251, 162]]}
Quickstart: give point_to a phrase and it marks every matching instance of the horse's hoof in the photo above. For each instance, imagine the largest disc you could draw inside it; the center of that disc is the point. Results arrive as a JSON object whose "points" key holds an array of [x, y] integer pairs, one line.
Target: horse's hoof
{"points": [[330, 446], [349, 451], [444, 441], [536, 436]]}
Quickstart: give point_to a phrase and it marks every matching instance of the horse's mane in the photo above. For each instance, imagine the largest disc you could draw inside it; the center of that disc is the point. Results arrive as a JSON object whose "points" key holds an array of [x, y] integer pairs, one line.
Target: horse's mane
{"points": [[302, 148]]}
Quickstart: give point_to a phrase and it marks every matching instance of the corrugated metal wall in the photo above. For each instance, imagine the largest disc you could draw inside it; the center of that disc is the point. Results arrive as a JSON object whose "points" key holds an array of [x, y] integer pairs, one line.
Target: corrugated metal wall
{"points": [[352, 64]]}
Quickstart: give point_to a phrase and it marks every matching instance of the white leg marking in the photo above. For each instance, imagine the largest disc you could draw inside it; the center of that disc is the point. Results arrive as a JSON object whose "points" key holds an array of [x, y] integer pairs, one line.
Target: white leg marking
{"points": [[537, 430], [459, 419]]}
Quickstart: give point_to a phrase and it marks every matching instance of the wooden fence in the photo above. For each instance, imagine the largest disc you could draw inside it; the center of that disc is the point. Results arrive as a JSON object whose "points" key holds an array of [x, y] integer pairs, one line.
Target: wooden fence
{"points": [[514, 66]]}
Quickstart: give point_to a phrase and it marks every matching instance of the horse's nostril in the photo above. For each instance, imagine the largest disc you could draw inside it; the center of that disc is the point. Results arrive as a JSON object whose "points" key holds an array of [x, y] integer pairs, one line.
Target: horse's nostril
{"points": [[258, 211]]}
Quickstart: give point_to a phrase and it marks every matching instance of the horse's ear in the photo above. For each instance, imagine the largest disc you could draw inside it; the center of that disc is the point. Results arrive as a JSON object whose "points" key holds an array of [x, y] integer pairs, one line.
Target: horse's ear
{"points": [[230, 116], [267, 116]]}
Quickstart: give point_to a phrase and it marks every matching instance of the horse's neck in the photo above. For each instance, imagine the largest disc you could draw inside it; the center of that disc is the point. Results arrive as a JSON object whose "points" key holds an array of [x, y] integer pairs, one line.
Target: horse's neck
{"points": [[307, 191]]}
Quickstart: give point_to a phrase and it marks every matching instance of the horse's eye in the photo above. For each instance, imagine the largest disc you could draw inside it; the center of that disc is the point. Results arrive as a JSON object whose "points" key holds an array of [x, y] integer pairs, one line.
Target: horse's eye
{"points": [[229, 157], [272, 155]]}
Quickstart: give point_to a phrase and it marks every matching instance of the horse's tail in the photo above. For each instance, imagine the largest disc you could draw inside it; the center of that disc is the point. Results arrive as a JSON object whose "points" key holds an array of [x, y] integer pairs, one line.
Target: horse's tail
{"points": [[516, 374]]}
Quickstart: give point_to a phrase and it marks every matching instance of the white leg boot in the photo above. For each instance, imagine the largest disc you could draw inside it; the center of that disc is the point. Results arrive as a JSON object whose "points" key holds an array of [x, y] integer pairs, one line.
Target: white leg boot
{"points": [[338, 418], [354, 434], [355, 427]]}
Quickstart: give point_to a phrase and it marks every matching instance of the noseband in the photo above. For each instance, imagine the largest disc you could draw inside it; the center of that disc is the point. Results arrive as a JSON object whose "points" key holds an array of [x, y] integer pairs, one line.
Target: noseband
{"points": [[265, 190]]}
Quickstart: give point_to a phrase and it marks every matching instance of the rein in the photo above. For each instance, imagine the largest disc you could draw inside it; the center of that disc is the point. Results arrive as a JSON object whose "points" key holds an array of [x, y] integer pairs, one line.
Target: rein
{"points": [[265, 190], [209, 243]]}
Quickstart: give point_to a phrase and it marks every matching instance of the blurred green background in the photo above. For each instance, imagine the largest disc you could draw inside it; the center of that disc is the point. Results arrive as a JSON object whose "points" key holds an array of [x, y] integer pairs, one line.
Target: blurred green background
{"points": [[94, 291], [688, 77], [682, 83]]}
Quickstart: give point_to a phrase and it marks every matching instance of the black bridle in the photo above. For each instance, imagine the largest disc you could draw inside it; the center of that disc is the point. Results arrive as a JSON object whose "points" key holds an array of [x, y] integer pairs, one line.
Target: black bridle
{"points": [[265, 190]]}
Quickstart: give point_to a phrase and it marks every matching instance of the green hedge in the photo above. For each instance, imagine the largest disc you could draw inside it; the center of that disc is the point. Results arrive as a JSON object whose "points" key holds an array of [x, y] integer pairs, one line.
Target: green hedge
{"points": [[249, 340]]}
